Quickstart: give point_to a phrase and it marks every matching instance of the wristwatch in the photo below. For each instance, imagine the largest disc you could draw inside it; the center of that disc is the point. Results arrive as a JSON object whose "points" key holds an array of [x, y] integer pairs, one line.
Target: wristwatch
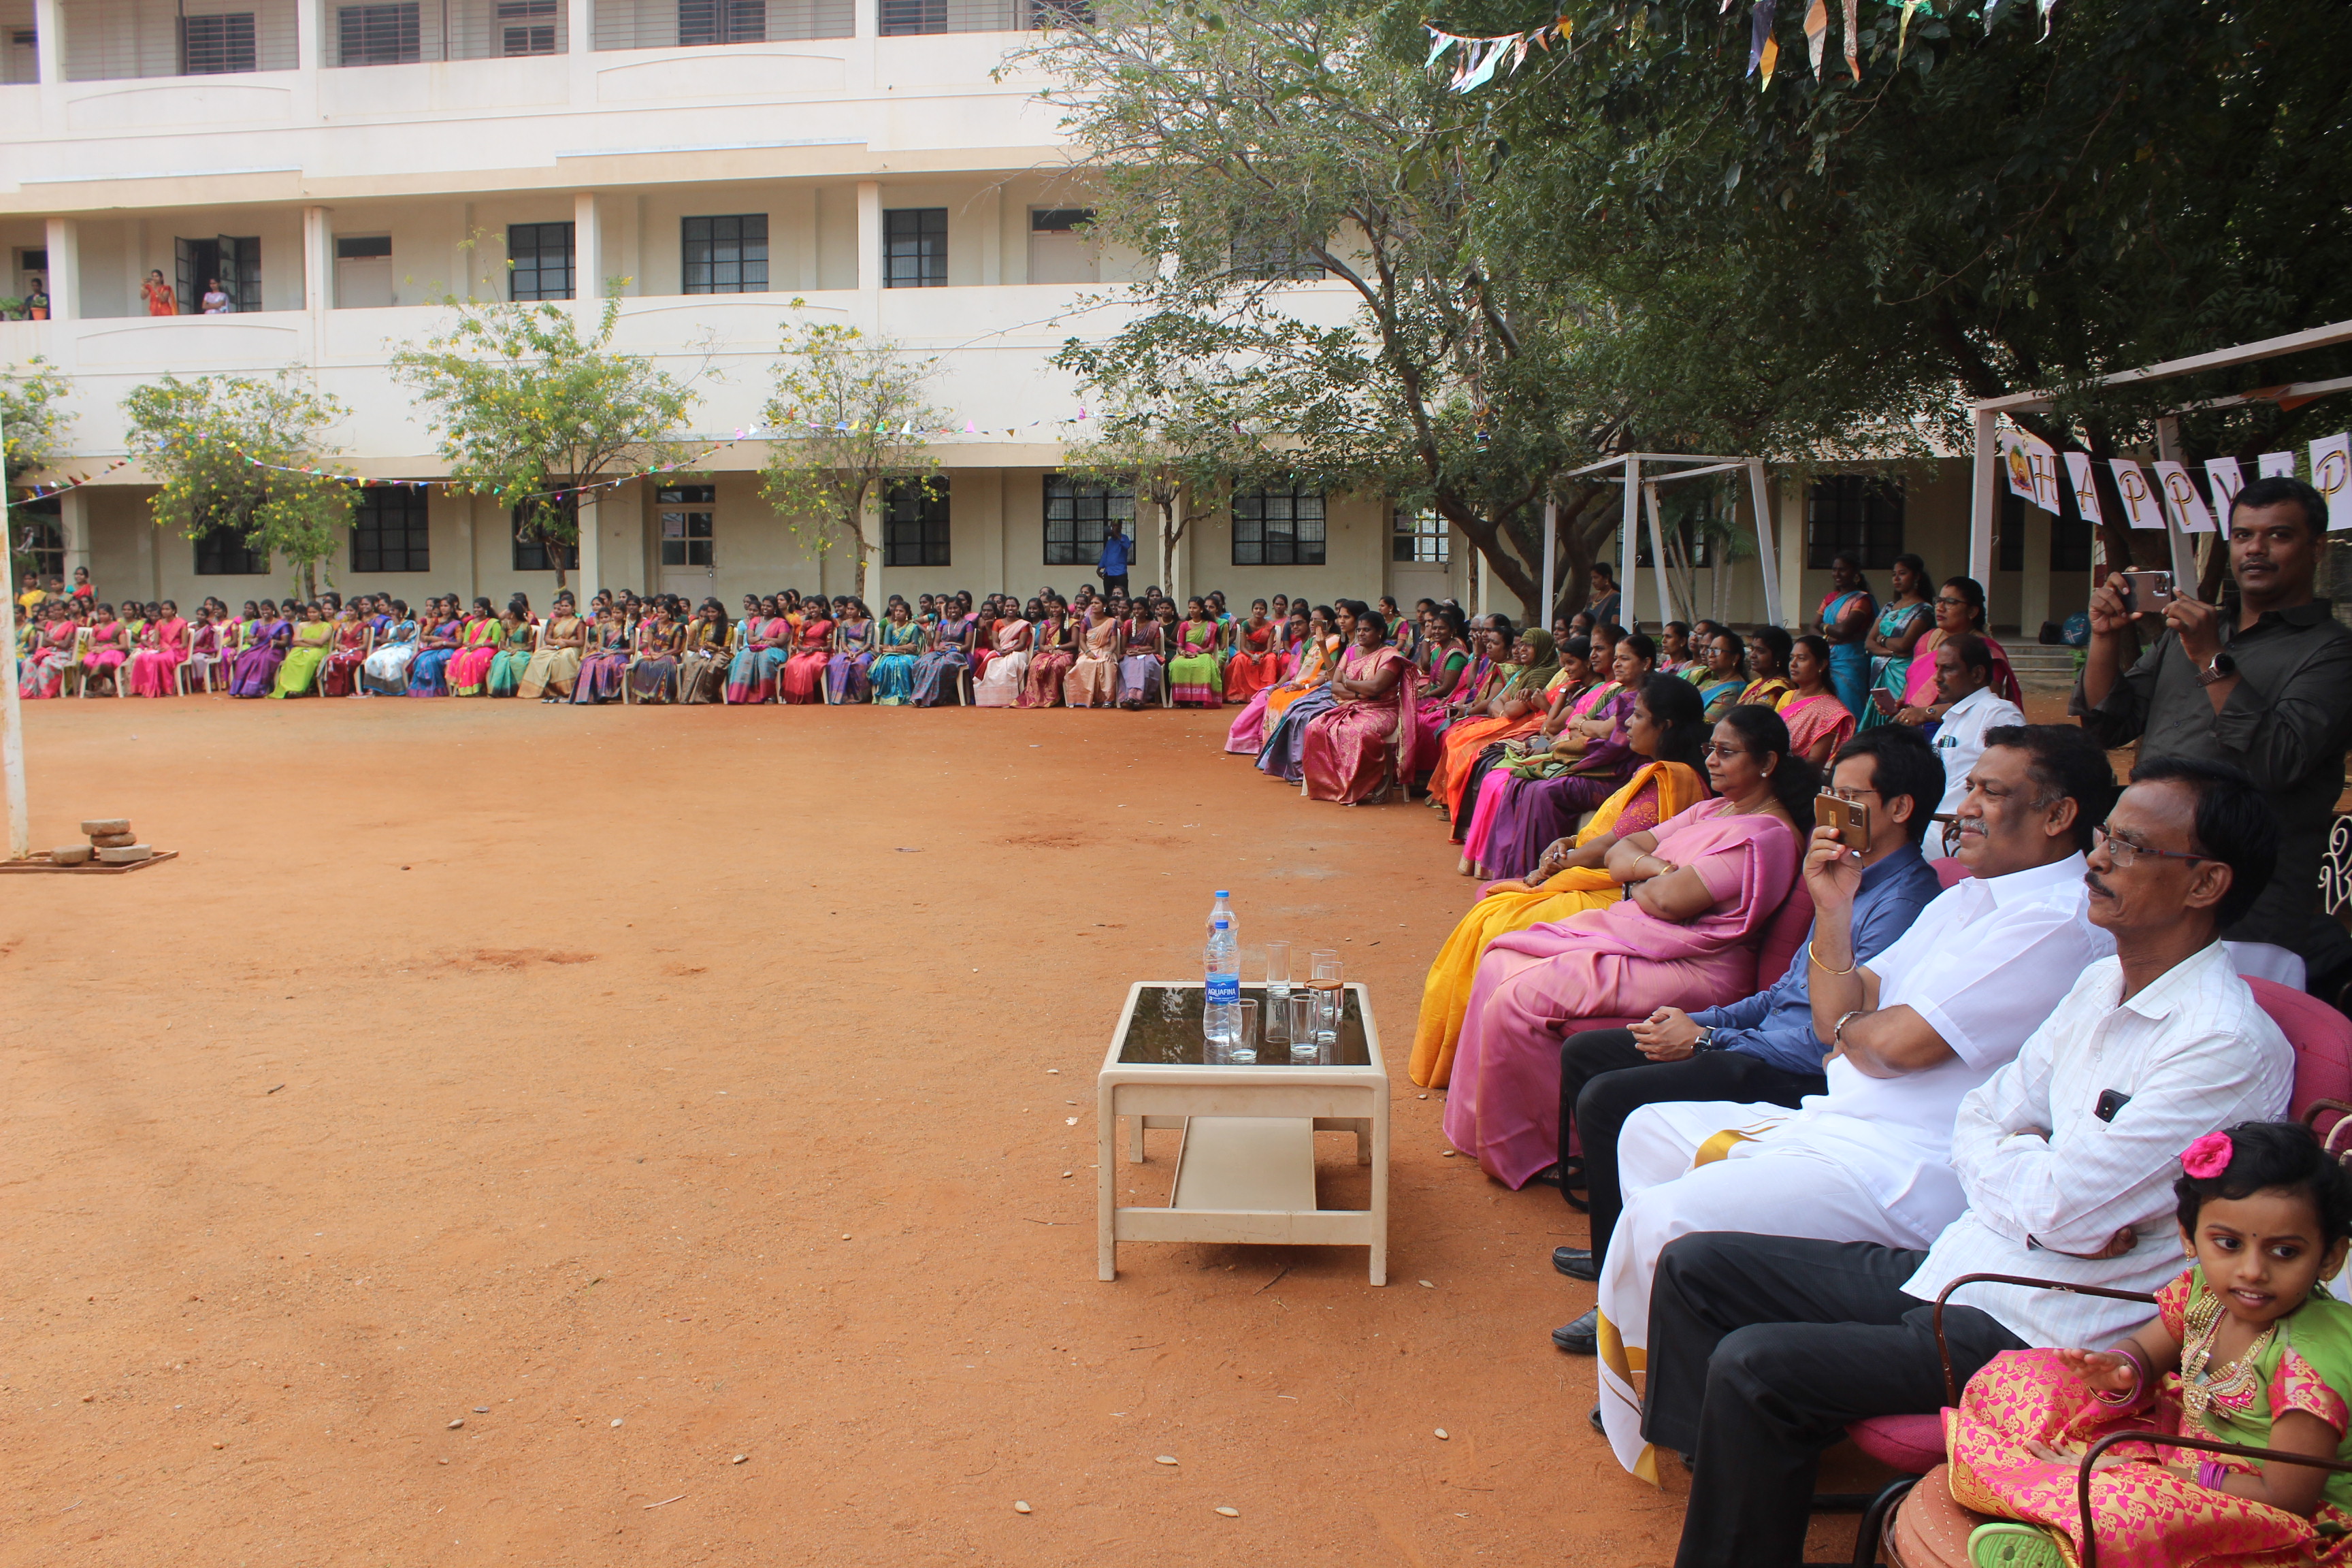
{"points": [[1706, 1041], [2222, 668]]}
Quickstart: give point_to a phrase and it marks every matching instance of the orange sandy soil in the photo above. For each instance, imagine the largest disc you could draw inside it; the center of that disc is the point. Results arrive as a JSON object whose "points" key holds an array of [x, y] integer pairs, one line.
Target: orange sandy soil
{"points": [[610, 1079]]}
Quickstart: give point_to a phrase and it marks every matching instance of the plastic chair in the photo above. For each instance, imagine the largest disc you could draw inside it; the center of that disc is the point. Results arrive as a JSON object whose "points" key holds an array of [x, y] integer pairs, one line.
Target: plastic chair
{"points": [[2322, 1039], [1950, 873]]}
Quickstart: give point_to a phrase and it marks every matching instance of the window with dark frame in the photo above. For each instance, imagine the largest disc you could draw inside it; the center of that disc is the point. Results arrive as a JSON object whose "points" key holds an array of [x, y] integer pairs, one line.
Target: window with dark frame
{"points": [[1421, 539], [363, 247], [221, 552], [390, 530], [526, 27], [725, 255], [377, 35], [915, 523], [903, 17], [40, 540], [540, 259], [1077, 512], [211, 46], [1278, 527], [722, 21], [1853, 515], [2070, 538], [686, 519], [915, 247], [534, 554]]}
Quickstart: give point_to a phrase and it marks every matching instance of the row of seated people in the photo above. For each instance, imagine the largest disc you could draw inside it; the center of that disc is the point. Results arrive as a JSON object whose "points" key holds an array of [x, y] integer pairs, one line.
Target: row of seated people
{"points": [[2051, 1057]]}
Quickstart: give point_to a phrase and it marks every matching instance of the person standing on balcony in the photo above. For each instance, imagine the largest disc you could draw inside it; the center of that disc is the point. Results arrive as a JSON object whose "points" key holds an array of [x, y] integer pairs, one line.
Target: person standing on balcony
{"points": [[1112, 567], [215, 302], [162, 298]]}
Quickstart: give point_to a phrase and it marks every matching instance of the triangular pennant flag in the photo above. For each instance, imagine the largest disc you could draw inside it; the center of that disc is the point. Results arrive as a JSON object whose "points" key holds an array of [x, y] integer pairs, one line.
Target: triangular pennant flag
{"points": [[1759, 37], [1817, 33]]}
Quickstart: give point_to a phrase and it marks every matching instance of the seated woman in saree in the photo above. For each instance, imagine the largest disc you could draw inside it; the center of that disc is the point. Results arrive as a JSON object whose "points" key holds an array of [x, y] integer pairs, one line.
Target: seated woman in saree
{"points": [[207, 665], [940, 674], [849, 673], [1257, 661], [1143, 657], [1444, 655], [44, 673], [1843, 622], [1050, 660], [1725, 657], [109, 648], [1006, 679], [1194, 680], [1093, 679], [555, 666], [266, 642], [468, 673], [604, 667], [1900, 624], [801, 681], [517, 632], [1549, 790], [1578, 692], [384, 671], [702, 653], [1572, 876], [902, 644], [340, 676], [1518, 708], [1282, 756], [306, 653], [1959, 609], [155, 664], [1703, 886], [652, 661], [1247, 733], [1346, 750], [1767, 667], [760, 652], [436, 644], [1817, 722], [1293, 634]]}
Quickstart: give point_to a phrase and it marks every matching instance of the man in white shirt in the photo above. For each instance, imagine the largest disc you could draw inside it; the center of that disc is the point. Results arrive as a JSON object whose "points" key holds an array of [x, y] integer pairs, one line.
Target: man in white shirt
{"points": [[1909, 1034], [1964, 679], [1765, 1348]]}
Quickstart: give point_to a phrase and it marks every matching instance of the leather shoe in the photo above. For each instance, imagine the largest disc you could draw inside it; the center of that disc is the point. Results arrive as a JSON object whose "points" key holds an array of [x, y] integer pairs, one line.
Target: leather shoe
{"points": [[1575, 1262], [1581, 1337], [1595, 1419]]}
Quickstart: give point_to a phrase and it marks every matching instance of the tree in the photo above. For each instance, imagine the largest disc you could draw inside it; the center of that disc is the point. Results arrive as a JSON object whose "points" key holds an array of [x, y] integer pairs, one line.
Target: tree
{"points": [[849, 422], [1273, 141], [241, 453], [1982, 211], [533, 412], [33, 423], [1167, 453]]}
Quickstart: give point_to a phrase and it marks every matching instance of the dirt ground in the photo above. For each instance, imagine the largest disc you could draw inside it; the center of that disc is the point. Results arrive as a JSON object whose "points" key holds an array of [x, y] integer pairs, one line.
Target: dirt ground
{"points": [[644, 1088]]}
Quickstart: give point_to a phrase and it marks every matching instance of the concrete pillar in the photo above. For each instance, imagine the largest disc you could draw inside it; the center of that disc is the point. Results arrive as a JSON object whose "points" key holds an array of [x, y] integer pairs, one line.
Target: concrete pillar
{"points": [[305, 36], [317, 263], [587, 253], [988, 212], [73, 516], [2033, 603], [49, 40], [1794, 609], [589, 575], [799, 212], [989, 482], [470, 568], [64, 269], [870, 253]]}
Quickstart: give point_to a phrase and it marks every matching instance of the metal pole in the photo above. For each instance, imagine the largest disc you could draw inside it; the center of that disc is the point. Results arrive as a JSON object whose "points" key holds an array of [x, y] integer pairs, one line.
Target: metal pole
{"points": [[1629, 520], [12, 718], [1658, 560], [2185, 572], [1551, 553], [1767, 548], [1983, 505]]}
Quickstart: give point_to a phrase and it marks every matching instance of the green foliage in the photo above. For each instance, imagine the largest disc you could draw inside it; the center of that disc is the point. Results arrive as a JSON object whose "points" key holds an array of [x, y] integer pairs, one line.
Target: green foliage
{"points": [[848, 416], [222, 447], [33, 418], [1169, 449], [527, 406]]}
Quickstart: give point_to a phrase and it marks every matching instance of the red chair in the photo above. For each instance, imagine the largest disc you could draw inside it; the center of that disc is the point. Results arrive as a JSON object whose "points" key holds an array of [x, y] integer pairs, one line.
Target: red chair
{"points": [[2322, 1039], [1949, 872]]}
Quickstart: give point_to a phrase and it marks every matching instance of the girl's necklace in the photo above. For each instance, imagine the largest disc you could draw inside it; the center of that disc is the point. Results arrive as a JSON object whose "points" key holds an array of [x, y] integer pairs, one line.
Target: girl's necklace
{"points": [[2201, 1390]]}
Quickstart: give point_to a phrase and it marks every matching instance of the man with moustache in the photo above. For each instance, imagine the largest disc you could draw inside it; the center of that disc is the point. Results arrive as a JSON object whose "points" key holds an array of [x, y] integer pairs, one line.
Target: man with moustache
{"points": [[1764, 1348]]}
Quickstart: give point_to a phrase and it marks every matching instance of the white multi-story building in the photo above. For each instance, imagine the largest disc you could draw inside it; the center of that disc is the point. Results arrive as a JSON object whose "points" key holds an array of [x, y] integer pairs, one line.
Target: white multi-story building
{"points": [[726, 167]]}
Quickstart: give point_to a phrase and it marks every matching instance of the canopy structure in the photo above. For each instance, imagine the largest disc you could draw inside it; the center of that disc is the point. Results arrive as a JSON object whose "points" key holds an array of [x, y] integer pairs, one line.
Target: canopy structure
{"points": [[1985, 496], [1632, 471]]}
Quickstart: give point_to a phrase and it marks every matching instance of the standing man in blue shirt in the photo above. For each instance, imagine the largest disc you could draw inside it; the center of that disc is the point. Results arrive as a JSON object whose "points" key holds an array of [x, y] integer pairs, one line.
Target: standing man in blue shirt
{"points": [[1762, 1049], [1112, 567]]}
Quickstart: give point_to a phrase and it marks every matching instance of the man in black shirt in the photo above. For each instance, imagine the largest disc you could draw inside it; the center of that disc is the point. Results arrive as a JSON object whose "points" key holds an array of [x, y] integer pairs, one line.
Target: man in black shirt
{"points": [[2269, 689]]}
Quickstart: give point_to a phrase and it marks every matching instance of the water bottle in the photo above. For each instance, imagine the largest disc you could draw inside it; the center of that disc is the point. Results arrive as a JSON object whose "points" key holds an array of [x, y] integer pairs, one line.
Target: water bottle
{"points": [[1222, 909], [1221, 996]]}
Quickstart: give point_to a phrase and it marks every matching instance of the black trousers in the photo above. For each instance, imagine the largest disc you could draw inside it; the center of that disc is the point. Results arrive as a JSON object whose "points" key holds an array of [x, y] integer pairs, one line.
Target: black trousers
{"points": [[1761, 1350], [1604, 1078], [1119, 582]]}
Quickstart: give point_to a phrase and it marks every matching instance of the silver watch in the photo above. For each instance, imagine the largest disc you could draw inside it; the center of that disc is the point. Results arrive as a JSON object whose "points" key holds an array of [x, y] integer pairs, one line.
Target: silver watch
{"points": [[1706, 1041]]}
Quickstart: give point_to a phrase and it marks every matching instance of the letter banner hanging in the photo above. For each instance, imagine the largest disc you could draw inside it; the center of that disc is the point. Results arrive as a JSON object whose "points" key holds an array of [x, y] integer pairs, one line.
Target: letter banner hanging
{"points": [[2188, 508], [2275, 464], [2225, 478], [2140, 505], [2331, 476], [2086, 494], [2033, 467]]}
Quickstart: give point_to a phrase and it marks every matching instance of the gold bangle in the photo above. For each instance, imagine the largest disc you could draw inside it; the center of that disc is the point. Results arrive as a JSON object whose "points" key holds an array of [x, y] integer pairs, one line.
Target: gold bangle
{"points": [[1852, 963]]}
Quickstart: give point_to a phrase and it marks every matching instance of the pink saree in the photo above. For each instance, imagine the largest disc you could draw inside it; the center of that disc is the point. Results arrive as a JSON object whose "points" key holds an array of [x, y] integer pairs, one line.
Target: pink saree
{"points": [[1346, 750], [1503, 1105], [154, 667]]}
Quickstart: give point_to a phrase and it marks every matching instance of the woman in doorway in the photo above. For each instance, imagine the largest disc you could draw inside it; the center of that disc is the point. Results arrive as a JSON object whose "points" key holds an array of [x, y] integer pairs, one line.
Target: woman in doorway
{"points": [[1006, 679], [1843, 622], [848, 674], [1817, 719], [1894, 638], [216, 302], [162, 298]]}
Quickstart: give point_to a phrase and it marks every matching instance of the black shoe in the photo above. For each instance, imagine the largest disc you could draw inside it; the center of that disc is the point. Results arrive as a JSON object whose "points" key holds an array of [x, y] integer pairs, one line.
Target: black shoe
{"points": [[1575, 1262], [1581, 1337], [1595, 1419]]}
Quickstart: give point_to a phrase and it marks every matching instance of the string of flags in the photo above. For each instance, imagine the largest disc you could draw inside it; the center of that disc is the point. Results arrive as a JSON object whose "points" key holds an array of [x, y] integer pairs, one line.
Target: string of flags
{"points": [[1480, 59], [46, 493], [2033, 467]]}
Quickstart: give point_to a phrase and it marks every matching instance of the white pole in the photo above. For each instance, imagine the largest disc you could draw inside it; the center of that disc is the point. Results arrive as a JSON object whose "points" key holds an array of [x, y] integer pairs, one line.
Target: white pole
{"points": [[12, 718], [1543, 616], [1768, 556], [2183, 549], [1658, 560], [1984, 504], [1629, 608]]}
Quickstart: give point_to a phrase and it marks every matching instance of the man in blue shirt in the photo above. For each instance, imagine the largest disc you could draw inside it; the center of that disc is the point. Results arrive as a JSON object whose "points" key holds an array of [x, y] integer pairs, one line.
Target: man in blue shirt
{"points": [[1112, 567], [1762, 1049]]}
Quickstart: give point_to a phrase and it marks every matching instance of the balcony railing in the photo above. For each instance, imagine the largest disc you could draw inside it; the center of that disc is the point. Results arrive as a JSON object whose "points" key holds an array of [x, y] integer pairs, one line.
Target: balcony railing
{"points": [[107, 40], [902, 17], [671, 24], [403, 32]]}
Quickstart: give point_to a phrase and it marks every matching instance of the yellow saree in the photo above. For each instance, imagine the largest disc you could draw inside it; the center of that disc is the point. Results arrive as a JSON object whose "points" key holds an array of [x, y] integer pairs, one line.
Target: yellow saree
{"points": [[1653, 794]]}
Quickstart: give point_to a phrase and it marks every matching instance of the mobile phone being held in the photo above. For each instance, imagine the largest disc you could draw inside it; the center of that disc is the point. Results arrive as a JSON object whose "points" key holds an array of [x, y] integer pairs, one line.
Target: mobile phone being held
{"points": [[2146, 593], [1849, 818]]}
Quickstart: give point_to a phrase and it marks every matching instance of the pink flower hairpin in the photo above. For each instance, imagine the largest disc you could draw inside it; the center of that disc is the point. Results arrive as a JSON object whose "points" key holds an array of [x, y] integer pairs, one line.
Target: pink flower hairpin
{"points": [[2207, 1157]]}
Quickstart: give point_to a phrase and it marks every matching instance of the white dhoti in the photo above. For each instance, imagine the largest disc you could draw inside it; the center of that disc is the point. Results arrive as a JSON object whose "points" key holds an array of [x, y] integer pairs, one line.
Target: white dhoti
{"points": [[1702, 1165]]}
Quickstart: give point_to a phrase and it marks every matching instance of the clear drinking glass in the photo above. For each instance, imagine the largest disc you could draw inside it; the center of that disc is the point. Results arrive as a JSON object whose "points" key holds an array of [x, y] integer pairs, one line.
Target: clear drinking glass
{"points": [[1241, 1051], [1277, 972], [1299, 1010], [1326, 984]]}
